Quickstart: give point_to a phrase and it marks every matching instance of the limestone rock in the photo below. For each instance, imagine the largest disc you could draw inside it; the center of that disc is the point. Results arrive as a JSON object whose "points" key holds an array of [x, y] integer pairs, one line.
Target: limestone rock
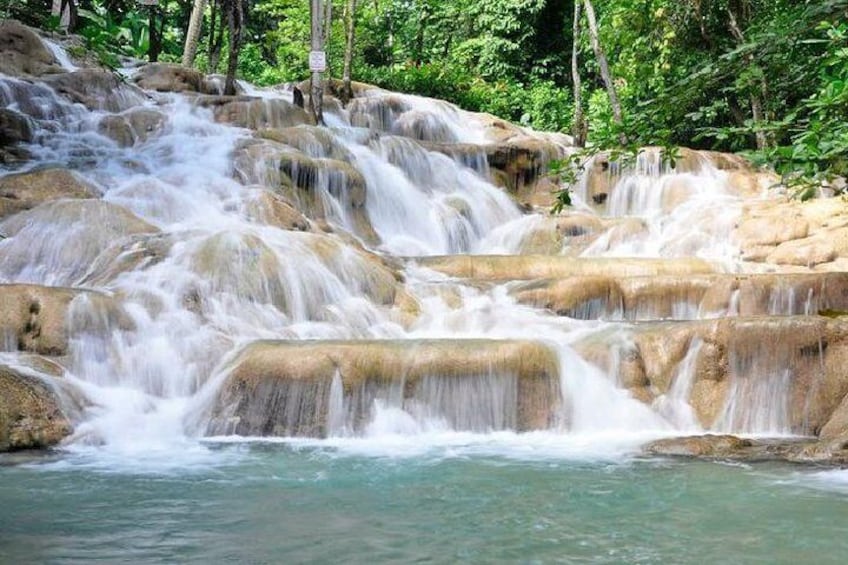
{"points": [[31, 415], [88, 228], [23, 191], [270, 208], [255, 113], [14, 128], [97, 90], [712, 446], [526, 267], [23, 53], [133, 126], [37, 319], [285, 388], [167, 77]]}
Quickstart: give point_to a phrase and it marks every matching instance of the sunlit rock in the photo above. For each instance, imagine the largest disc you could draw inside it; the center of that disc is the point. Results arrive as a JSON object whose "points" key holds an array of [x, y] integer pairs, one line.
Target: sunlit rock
{"points": [[304, 389], [97, 90], [23, 53], [23, 191], [167, 77], [31, 415], [525, 267], [57, 242], [38, 319], [255, 113], [133, 126]]}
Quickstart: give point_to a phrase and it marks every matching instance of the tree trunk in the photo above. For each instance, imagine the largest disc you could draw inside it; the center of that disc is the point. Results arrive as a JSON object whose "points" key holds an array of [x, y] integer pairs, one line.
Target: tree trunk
{"points": [[604, 66], [316, 94], [216, 42], [419, 37], [234, 20], [580, 126], [756, 102], [328, 21], [350, 30], [193, 33], [155, 46]]}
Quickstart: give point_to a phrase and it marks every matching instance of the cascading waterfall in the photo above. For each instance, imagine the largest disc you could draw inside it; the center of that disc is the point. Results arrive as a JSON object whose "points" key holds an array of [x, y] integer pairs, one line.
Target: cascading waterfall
{"points": [[173, 237]]}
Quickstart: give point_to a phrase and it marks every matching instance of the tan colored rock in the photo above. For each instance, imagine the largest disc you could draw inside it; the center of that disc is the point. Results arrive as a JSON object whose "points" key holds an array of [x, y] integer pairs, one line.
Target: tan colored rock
{"points": [[38, 319], [767, 231], [23, 53], [284, 388], [271, 209], [255, 113], [167, 77], [31, 415], [23, 191], [718, 446], [97, 90], [88, 228], [807, 252], [525, 267], [134, 126]]}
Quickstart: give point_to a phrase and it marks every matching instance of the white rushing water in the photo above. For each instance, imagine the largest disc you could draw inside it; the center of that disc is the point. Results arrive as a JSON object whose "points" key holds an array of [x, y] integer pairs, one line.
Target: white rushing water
{"points": [[177, 238]]}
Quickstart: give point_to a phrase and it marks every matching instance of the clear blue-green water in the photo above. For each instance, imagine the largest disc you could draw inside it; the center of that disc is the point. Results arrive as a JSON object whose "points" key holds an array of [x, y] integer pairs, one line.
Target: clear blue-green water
{"points": [[283, 503]]}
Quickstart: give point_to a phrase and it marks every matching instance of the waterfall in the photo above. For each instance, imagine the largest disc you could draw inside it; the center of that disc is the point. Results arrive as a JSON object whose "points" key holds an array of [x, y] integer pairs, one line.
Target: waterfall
{"points": [[187, 240]]}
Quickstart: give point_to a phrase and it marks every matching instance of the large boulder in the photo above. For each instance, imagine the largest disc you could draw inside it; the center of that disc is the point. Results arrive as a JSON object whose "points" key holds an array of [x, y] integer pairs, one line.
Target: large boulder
{"points": [[31, 412], [97, 90], [168, 77], [23, 191], [731, 374], [317, 389], [689, 296], [15, 129], [136, 125], [39, 319], [23, 53], [255, 113], [57, 242]]}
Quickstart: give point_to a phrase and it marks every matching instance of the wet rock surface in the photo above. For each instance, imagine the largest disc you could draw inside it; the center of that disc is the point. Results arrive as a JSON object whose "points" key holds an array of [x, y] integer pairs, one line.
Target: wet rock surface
{"points": [[31, 416]]}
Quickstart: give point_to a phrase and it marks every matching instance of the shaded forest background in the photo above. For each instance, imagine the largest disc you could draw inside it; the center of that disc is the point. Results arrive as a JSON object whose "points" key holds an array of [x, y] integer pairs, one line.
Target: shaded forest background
{"points": [[765, 77]]}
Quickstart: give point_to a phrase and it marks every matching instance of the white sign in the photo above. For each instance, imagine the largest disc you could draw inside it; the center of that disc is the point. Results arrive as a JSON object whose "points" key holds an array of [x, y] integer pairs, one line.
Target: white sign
{"points": [[149, 2], [317, 61]]}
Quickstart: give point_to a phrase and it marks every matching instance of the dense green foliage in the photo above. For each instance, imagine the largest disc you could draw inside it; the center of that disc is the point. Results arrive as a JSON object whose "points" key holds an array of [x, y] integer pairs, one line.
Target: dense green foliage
{"points": [[769, 77]]}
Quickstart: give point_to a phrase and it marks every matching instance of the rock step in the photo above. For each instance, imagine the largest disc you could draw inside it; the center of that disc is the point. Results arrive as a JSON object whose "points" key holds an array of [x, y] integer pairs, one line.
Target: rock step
{"points": [[499, 268], [39, 319], [757, 374], [36, 404], [315, 388], [687, 297]]}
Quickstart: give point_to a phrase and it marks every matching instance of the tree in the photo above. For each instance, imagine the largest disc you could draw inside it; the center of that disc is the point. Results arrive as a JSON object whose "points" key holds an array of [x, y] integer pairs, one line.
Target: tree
{"points": [[350, 30], [193, 33], [604, 66], [580, 125], [235, 17], [316, 94]]}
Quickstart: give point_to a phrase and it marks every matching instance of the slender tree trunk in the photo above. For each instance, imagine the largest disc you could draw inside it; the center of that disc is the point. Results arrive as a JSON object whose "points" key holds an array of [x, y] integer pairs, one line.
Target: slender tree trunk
{"points": [[234, 20], [580, 127], [316, 95], [328, 21], [216, 42], [193, 33], [419, 37], [350, 30], [155, 47], [604, 66], [757, 112]]}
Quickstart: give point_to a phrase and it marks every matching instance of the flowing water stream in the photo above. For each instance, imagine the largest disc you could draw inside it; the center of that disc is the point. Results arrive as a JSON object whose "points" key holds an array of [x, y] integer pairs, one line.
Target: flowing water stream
{"points": [[179, 236]]}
